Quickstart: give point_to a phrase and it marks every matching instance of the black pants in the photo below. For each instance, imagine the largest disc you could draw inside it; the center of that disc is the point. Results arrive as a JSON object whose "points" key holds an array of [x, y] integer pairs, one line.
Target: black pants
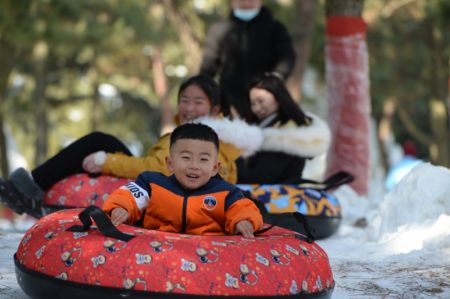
{"points": [[69, 160]]}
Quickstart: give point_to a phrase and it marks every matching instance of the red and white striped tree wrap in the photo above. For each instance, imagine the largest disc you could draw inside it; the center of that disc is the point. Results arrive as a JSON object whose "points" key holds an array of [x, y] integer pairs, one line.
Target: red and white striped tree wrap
{"points": [[348, 93]]}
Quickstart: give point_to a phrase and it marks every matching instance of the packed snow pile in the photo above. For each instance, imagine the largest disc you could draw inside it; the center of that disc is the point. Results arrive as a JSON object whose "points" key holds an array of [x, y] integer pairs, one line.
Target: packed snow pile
{"points": [[419, 206], [397, 246], [416, 214]]}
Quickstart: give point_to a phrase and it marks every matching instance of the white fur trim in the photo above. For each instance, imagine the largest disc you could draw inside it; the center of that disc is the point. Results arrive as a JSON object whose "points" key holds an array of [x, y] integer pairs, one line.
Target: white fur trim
{"points": [[304, 141], [99, 158], [245, 137]]}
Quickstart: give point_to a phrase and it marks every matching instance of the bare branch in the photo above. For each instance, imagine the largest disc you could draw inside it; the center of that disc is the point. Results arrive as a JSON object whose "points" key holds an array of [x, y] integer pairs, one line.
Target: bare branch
{"points": [[392, 6], [406, 119]]}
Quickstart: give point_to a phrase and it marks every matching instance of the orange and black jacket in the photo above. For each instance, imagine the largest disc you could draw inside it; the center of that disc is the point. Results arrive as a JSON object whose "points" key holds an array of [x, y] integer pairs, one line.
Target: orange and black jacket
{"points": [[213, 209]]}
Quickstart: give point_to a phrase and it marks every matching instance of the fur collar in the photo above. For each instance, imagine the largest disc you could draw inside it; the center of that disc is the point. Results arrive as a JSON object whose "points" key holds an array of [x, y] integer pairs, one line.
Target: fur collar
{"points": [[305, 141], [245, 137]]}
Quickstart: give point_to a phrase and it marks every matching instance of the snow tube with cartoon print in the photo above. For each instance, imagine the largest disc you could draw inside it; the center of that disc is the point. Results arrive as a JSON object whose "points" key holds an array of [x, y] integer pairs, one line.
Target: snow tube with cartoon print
{"points": [[321, 209], [64, 256]]}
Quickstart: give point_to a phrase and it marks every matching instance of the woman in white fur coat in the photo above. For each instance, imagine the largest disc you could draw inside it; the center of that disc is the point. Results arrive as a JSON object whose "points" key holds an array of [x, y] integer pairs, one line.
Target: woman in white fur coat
{"points": [[290, 136]]}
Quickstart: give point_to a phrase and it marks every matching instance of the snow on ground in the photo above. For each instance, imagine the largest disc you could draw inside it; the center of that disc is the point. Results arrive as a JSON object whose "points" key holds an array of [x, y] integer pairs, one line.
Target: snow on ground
{"points": [[392, 246], [397, 247], [8, 283]]}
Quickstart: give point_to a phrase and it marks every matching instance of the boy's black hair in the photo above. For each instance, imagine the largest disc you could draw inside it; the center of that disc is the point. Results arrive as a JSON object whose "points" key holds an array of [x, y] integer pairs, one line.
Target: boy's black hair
{"points": [[194, 131]]}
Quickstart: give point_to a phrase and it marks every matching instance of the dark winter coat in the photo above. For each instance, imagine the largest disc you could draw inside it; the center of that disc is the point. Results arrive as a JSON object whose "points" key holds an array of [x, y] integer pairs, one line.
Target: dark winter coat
{"points": [[284, 151], [238, 51]]}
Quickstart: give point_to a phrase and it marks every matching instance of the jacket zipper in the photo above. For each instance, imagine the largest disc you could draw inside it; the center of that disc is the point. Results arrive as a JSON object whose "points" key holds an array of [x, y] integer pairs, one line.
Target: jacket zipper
{"points": [[245, 52], [184, 216]]}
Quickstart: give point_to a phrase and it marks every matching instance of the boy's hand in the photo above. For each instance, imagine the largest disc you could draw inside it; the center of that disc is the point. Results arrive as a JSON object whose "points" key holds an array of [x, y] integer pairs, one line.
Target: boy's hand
{"points": [[119, 216], [245, 227]]}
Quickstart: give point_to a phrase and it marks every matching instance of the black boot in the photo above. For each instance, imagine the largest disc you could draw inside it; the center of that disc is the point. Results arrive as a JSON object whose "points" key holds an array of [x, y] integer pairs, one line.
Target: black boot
{"points": [[10, 196], [23, 181], [23, 193]]}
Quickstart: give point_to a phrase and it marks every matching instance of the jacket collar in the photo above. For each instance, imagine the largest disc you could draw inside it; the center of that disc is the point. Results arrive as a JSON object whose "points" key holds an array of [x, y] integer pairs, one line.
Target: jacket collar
{"points": [[304, 141], [269, 121]]}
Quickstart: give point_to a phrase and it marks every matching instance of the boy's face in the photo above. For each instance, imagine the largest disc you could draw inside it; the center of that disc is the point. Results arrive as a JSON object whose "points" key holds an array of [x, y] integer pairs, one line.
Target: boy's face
{"points": [[193, 162]]}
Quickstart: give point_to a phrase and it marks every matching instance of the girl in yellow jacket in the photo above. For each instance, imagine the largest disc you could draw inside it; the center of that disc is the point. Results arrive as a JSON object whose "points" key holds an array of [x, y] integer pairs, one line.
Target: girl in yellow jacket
{"points": [[199, 99]]}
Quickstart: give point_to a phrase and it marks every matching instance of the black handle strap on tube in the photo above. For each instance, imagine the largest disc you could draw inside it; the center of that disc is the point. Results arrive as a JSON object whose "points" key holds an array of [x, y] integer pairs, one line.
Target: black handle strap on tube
{"points": [[103, 222], [308, 237], [338, 179], [263, 230], [331, 182], [297, 216], [308, 229]]}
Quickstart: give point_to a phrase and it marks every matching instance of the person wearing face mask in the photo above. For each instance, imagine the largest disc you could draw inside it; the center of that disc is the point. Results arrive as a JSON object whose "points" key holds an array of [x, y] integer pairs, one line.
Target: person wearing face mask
{"points": [[200, 98], [290, 135], [249, 43]]}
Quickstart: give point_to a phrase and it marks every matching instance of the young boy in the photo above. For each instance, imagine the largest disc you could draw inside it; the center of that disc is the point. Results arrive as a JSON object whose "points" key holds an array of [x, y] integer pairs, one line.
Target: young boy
{"points": [[194, 200]]}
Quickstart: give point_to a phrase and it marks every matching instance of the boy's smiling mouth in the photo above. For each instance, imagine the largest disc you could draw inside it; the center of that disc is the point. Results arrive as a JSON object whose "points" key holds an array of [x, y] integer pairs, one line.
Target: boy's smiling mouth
{"points": [[193, 176]]}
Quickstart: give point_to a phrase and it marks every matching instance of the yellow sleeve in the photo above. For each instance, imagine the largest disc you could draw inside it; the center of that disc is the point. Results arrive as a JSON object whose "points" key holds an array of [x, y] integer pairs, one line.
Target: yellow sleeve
{"points": [[228, 155], [243, 209], [125, 166]]}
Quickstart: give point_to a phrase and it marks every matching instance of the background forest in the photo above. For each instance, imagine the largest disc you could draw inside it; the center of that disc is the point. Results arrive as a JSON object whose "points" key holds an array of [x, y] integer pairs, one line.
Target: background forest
{"points": [[70, 67]]}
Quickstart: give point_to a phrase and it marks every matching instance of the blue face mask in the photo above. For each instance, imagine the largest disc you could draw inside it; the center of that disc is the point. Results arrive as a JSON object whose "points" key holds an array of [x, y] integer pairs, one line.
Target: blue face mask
{"points": [[245, 14]]}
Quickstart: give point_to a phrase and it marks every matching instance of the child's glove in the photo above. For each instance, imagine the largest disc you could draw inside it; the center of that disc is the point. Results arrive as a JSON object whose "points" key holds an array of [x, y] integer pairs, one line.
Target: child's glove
{"points": [[93, 163]]}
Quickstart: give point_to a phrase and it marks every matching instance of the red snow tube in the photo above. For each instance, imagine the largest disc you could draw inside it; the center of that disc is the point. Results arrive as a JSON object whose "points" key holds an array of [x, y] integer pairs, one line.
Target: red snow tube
{"points": [[321, 209], [63, 256]]}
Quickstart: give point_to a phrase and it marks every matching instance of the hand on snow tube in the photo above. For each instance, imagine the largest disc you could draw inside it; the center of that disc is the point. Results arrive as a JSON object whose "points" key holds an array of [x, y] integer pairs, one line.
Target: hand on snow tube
{"points": [[93, 163]]}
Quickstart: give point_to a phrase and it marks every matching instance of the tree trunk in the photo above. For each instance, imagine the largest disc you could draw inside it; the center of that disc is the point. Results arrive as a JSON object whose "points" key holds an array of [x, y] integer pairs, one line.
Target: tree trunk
{"points": [[347, 72], [301, 35], [187, 35], [352, 8], [40, 55], [162, 91], [439, 150], [440, 153], [6, 65], [96, 112], [385, 134]]}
